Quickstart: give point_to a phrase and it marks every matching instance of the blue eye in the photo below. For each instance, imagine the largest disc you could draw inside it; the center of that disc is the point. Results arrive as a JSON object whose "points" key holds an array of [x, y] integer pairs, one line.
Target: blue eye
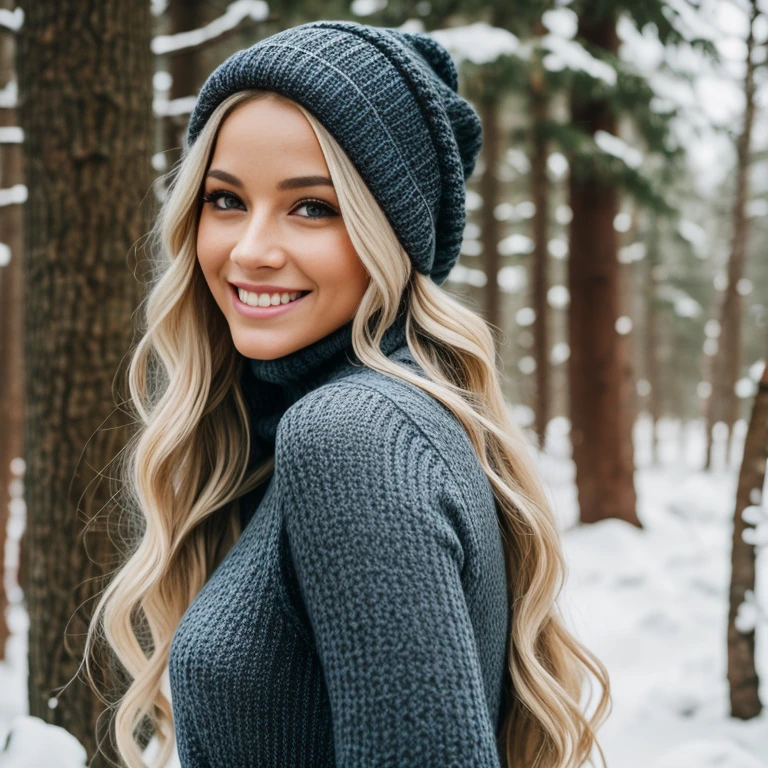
{"points": [[211, 198], [309, 203], [326, 211]]}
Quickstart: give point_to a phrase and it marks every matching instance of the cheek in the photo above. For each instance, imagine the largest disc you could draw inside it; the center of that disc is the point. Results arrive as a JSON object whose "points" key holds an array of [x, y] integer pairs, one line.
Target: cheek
{"points": [[357, 275], [209, 247], [347, 268]]}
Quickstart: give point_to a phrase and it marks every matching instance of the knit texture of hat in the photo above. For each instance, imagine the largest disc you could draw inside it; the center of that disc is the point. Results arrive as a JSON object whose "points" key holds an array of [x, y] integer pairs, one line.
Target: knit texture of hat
{"points": [[390, 99]]}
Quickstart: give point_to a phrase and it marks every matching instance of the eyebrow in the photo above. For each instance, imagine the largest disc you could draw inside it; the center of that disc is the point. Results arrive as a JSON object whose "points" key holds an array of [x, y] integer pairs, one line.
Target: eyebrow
{"points": [[293, 183]]}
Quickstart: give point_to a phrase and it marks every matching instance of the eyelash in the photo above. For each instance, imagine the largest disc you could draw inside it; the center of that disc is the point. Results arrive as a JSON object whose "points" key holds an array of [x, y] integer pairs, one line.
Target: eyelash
{"points": [[212, 196]]}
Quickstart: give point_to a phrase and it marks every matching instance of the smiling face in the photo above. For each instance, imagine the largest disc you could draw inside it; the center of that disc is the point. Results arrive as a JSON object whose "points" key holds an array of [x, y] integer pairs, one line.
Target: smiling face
{"points": [[270, 223]]}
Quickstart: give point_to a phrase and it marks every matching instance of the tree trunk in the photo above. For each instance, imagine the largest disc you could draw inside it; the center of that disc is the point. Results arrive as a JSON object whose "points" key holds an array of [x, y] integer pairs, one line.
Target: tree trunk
{"points": [[727, 363], [600, 382], [489, 190], [85, 84], [743, 680], [652, 340], [185, 71], [627, 307], [11, 370], [540, 226], [711, 408]]}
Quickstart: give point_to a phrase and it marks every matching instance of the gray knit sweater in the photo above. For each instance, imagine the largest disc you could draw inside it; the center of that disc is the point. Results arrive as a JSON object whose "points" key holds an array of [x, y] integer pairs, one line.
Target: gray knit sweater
{"points": [[361, 618]]}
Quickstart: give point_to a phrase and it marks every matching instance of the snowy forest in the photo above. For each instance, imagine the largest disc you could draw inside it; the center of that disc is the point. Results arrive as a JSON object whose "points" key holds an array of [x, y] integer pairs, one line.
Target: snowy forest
{"points": [[617, 226]]}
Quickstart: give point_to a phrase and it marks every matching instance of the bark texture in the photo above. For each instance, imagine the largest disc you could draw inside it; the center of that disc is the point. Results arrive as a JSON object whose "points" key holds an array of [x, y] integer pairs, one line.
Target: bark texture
{"points": [[85, 104], [11, 370], [743, 679], [600, 371], [539, 101], [724, 404], [489, 190], [652, 338]]}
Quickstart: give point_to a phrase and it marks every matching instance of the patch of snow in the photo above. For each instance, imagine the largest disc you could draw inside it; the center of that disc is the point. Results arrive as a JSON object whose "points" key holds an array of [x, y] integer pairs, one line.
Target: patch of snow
{"points": [[512, 279], [12, 195], [257, 10], [568, 54], [562, 22], [480, 43], [168, 107], [11, 134], [9, 94], [11, 19], [32, 743], [367, 7], [615, 146], [468, 276], [514, 244], [695, 234]]}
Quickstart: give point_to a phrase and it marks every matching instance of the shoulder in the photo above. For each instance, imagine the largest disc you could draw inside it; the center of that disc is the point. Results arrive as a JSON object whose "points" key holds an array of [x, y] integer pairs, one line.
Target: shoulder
{"points": [[375, 451], [376, 415], [360, 419]]}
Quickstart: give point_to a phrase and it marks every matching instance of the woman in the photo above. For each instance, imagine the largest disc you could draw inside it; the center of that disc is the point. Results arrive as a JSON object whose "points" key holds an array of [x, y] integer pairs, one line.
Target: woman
{"points": [[347, 557]]}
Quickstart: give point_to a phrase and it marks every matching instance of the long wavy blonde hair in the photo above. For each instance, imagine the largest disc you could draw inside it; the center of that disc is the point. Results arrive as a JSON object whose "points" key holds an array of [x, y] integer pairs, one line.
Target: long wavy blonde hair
{"points": [[186, 466]]}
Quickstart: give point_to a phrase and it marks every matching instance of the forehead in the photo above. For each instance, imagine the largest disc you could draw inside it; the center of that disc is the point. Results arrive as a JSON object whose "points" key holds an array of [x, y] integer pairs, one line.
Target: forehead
{"points": [[264, 131]]}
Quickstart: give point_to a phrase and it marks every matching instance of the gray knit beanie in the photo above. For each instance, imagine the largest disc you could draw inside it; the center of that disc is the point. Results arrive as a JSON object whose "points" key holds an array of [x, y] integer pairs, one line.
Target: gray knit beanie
{"points": [[390, 100]]}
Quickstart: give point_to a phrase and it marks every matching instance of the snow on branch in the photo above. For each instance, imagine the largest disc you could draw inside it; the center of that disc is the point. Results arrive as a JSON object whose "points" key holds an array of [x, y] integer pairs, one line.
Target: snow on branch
{"points": [[12, 195], [613, 145], [11, 20], [9, 95], [236, 12], [367, 7], [690, 22], [693, 234], [749, 613], [562, 22], [684, 304], [172, 107], [479, 43], [568, 54], [11, 134]]}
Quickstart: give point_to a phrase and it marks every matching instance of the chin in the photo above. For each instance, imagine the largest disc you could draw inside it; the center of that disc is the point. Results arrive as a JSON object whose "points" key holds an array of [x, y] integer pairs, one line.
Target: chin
{"points": [[262, 350]]}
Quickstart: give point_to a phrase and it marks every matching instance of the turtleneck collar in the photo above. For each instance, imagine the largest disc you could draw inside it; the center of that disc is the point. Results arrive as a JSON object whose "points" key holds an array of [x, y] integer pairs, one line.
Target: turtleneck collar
{"points": [[272, 386]]}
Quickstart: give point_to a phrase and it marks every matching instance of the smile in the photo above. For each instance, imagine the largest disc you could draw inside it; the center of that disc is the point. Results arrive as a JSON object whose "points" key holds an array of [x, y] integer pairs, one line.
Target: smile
{"points": [[263, 312]]}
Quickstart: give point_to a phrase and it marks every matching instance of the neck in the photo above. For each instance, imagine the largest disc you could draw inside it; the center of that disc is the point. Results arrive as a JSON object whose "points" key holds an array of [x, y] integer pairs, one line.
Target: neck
{"points": [[272, 386]]}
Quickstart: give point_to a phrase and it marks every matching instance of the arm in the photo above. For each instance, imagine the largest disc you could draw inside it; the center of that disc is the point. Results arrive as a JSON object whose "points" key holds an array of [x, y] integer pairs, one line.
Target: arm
{"points": [[379, 562]]}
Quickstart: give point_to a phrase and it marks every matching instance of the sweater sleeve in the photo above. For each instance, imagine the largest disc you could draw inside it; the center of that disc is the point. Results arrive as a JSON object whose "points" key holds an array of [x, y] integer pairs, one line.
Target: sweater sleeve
{"points": [[373, 521]]}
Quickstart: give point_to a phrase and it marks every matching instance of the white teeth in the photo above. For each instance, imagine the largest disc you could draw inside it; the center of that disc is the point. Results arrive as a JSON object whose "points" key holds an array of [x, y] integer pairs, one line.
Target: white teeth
{"points": [[266, 299]]}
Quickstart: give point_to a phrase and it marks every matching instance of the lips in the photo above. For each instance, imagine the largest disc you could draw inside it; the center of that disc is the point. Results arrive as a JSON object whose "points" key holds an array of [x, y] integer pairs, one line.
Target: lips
{"points": [[236, 289], [266, 288], [264, 312]]}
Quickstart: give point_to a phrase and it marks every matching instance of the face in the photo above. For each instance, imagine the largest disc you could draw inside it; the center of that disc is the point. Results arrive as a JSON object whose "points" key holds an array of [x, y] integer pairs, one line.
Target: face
{"points": [[270, 224]]}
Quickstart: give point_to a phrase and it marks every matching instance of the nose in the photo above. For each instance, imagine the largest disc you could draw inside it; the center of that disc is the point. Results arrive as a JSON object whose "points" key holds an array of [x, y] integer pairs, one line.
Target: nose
{"points": [[259, 244]]}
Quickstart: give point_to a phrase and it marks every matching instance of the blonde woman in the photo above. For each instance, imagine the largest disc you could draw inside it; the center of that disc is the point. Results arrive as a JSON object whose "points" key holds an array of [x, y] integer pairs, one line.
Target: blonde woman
{"points": [[346, 554]]}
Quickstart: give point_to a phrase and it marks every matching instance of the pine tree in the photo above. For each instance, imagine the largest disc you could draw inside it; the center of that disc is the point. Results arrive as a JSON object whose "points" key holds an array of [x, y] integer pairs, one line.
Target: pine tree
{"points": [[602, 387], [723, 404]]}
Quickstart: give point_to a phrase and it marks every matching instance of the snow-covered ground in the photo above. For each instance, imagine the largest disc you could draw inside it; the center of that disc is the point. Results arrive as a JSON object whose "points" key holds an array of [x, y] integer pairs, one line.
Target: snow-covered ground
{"points": [[653, 605], [651, 602]]}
